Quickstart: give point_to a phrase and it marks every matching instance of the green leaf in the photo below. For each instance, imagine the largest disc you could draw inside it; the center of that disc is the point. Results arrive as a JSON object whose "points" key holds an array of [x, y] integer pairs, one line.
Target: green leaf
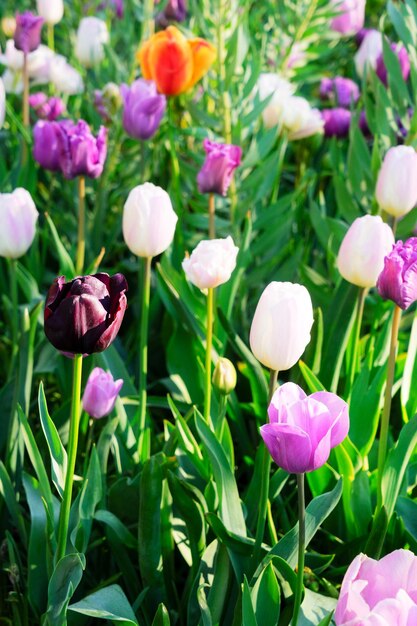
{"points": [[66, 265], [10, 497], [90, 497], [248, 612], [266, 597], [149, 538], [59, 459], [316, 608], [120, 530], [64, 581], [162, 617], [109, 603]]}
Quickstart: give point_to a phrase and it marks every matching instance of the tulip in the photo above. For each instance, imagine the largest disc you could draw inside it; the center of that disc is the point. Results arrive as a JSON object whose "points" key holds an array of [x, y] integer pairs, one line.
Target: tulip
{"points": [[84, 315], [108, 101], [396, 187], [369, 51], [379, 593], [143, 109], [221, 161], [303, 429], [8, 25], [224, 376], [364, 247], [336, 122], [46, 108], [27, 36], [300, 120], [175, 63], [398, 278], [148, 220], [363, 125], [52, 11], [279, 90], [45, 145], [403, 60], [2, 103], [342, 91], [351, 16], [211, 263], [80, 153], [281, 325], [174, 11], [92, 34], [18, 220], [100, 393], [65, 78]]}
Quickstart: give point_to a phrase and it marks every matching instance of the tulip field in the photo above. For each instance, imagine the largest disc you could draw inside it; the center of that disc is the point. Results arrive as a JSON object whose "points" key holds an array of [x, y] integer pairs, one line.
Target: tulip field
{"points": [[208, 328]]}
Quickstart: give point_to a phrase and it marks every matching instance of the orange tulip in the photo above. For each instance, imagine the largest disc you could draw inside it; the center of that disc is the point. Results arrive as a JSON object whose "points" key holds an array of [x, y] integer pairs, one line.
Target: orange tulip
{"points": [[174, 62]]}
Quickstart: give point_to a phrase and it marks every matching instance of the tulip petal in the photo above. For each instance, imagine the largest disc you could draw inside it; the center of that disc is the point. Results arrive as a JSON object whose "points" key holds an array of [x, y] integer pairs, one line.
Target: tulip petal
{"points": [[203, 55], [284, 396], [339, 412], [289, 446], [170, 60]]}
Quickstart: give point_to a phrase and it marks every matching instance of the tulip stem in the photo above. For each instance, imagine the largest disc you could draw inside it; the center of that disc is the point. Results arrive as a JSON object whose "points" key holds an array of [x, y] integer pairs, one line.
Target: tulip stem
{"points": [[148, 21], [301, 548], [64, 514], [14, 317], [383, 438], [143, 448], [50, 35], [356, 338], [264, 488], [175, 166], [211, 214], [25, 91], [79, 265], [209, 344]]}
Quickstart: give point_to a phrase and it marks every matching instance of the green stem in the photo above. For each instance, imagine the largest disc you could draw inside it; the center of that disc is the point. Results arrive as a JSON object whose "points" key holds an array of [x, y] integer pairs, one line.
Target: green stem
{"points": [[175, 166], [51, 38], [211, 215], [25, 91], [301, 548], [79, 264], [148, 21], [300, 32], [209, 343], [354, 366], [64, 514], [143, 355], [383, 438], [14, 314]]}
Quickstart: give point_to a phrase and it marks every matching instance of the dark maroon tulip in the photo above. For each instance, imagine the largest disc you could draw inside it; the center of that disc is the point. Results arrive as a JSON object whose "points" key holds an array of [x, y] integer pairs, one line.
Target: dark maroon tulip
{"points": [[404, 61], [336, 122], [45, 145], [27, 36], [398, 279], [80, 153], [175, 11], [84, 315], [342, 91], [221, 161], [46, 108]]}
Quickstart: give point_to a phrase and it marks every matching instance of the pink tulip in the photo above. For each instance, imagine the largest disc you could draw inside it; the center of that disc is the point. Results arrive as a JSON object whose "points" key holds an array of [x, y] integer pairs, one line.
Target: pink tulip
{"points": [[303, 429], [100, 393], [379, 593], [351, 18]]}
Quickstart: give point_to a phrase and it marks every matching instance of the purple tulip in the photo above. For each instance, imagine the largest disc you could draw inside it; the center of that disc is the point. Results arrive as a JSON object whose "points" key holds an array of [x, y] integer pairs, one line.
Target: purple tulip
{"points": [[343, 91], [336, 122], [46, 108], [175, 11], [363, 125], [403, 59], [27, 36], [221, 161], [100, 393], [143, 109], [45, 145], [84, 315], [302, 429], [80, 153], [398, 279]]}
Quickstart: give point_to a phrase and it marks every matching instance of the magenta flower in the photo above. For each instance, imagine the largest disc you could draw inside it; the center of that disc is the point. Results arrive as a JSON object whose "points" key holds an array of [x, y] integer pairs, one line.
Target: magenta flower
{"points": [[398, 279], [100, 393], [143, 110], [27, 36], [80, 153], [342, 91], [351, 17], [336, 122], [174, 11], [45, 145], [403, 59], [379, 593], [46, 108], [302, 429], [221, 161]]}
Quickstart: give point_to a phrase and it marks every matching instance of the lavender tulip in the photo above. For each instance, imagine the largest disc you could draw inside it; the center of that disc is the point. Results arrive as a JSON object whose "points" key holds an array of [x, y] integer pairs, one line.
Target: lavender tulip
{"points": [[143, 109], [336, 122], [221, 161], [46, 108], [174, 11], [100, 393], [80, 153], [398, 279], [303, 429], [403, 59], [45, 145], [351, 16], [342, 91], [27, 36]]}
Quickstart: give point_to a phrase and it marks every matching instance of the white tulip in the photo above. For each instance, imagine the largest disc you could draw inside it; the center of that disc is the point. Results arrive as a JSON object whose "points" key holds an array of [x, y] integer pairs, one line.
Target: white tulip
{"points": [[18, 217], [91, 36], [211, 263], [396, 187], [369, 51], [280, 89], [64, 77], [52, 11], [300, 119]]}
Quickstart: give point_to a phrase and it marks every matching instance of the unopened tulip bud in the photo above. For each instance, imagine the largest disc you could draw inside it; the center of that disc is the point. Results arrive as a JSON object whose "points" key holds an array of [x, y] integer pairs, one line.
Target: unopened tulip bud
{"points": [[364, 247], [221, 161], [100, 393], [224, 376], [211, 263], [396, 187], [18, 216], [281, 325], [27, 36], [398, 279], [52, 11]]}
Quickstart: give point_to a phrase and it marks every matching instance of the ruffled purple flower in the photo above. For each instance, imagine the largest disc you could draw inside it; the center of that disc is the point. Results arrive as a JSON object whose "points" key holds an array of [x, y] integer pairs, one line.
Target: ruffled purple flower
{"points": [[45, 145], [398, 279], [27, 36], [221, 161], [175, 11], [80, 152], [143, 109], [46, 108], [403, 59], [336, 122], [342, 91]]}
